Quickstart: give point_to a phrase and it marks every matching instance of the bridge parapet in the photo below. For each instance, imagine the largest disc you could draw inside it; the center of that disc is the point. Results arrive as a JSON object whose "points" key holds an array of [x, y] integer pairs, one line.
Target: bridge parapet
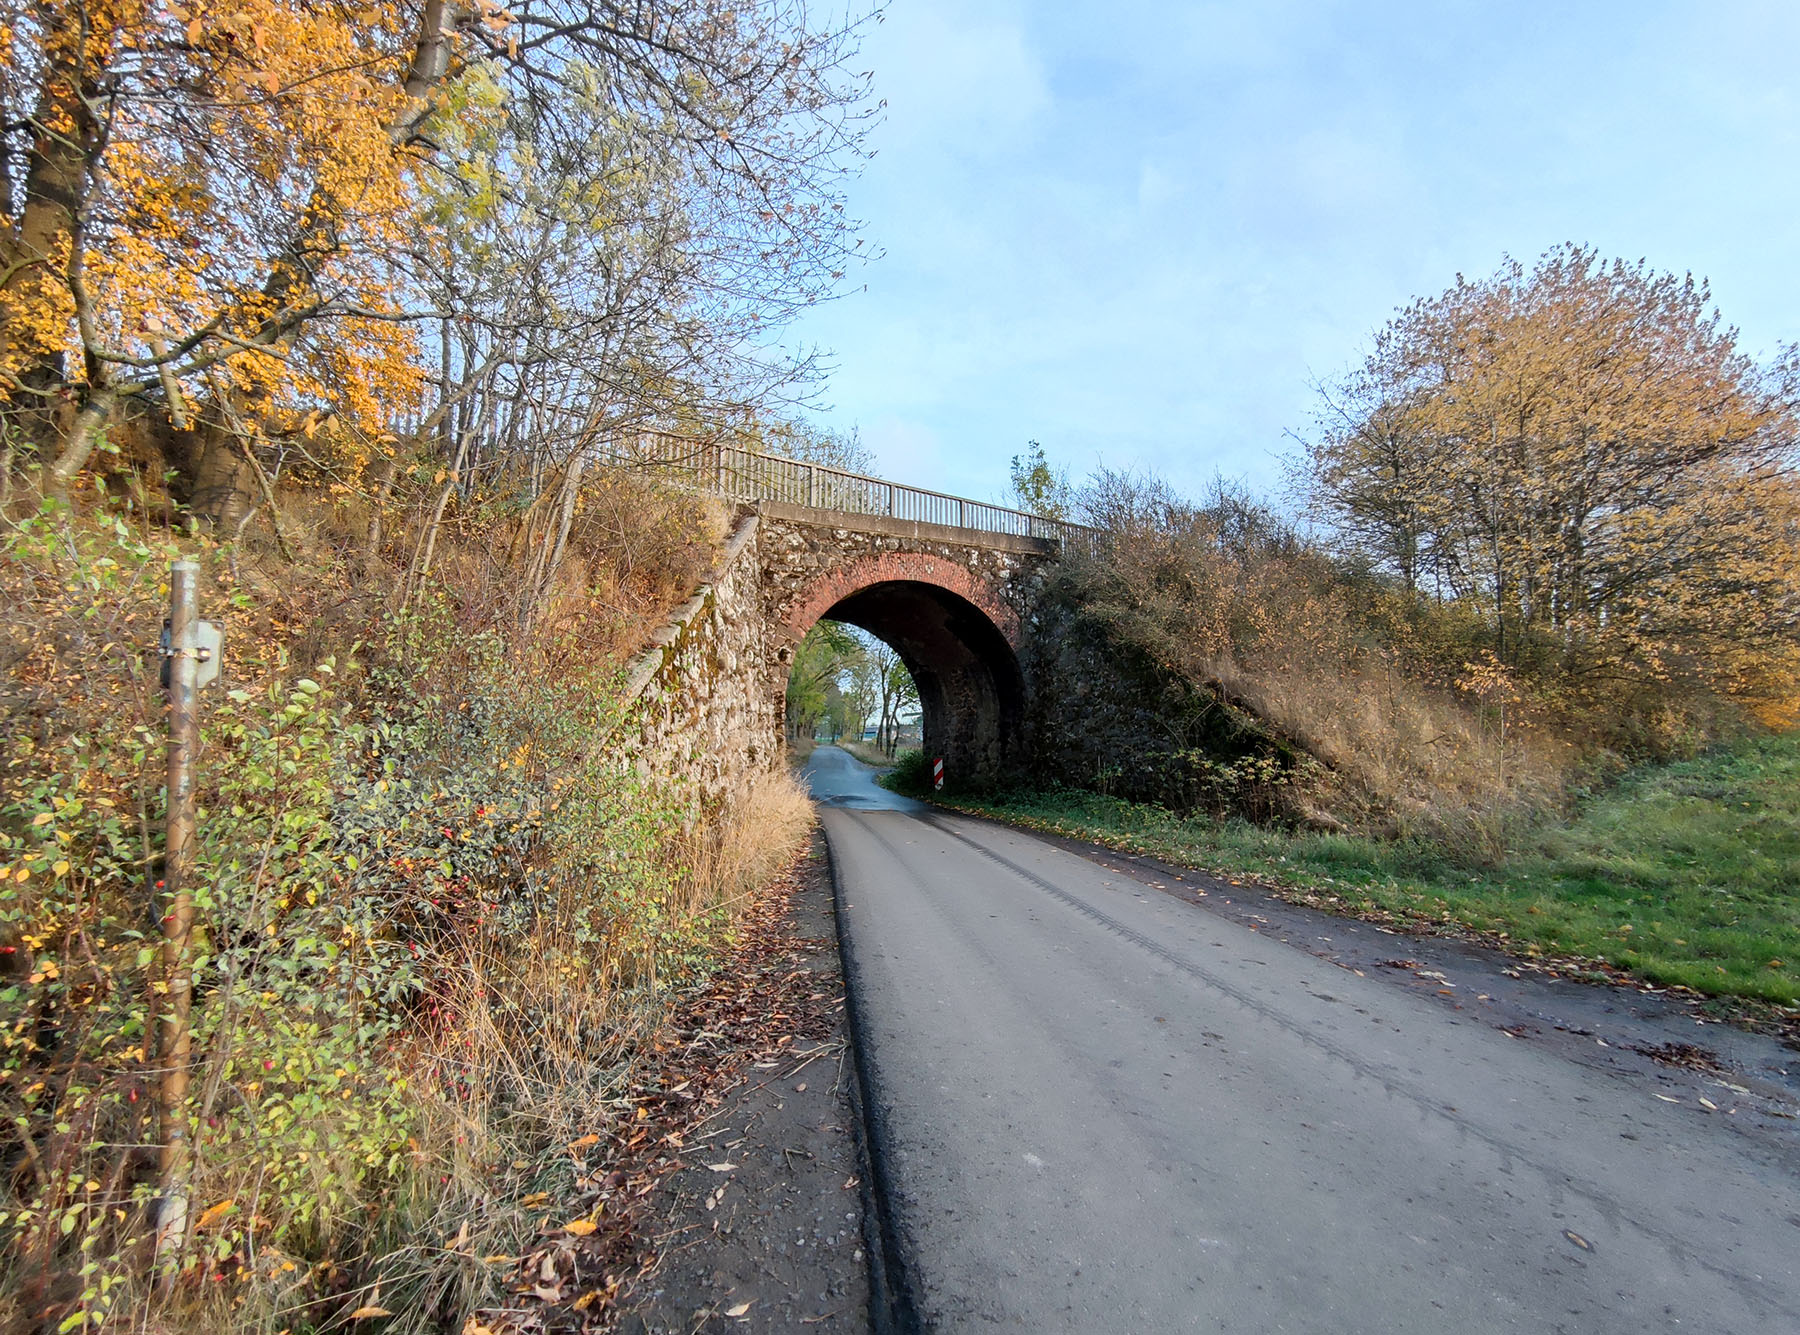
{"points": [[757, 478], [813, 559]]}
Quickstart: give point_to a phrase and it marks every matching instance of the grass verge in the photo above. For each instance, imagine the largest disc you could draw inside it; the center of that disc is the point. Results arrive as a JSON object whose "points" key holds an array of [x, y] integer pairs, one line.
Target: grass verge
{"points": [[1685, 874], [868, 753]]}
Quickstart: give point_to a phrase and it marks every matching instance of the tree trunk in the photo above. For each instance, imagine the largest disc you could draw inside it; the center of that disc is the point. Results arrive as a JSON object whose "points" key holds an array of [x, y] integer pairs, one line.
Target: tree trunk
{"points": [[421, 566], [224, 486], [383, 490], [293, 269], [34, 251], [85, 435], [571, 490], [544, 577]]}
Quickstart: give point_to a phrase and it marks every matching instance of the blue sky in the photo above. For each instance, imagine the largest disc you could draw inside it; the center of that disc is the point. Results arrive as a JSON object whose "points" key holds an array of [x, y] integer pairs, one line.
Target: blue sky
{"points": [[1139, 232]]}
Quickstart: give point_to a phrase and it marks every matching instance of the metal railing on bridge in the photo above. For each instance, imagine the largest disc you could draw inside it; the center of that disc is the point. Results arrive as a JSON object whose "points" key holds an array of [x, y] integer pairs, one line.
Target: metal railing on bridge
{"points": [[739, 474]]}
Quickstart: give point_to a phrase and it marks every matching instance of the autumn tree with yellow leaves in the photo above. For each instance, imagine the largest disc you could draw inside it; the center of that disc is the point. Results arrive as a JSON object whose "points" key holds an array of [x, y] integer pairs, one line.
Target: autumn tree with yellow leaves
{"points": [[223, 222], [1581, 451]]}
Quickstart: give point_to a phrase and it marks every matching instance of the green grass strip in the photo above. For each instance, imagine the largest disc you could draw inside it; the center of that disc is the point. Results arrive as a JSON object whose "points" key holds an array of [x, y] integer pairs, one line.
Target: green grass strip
{"points": [[1685, 874]]}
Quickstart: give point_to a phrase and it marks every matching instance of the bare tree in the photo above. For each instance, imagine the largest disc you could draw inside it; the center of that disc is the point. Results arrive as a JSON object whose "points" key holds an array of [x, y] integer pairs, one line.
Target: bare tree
{"points": [[580, 202]]}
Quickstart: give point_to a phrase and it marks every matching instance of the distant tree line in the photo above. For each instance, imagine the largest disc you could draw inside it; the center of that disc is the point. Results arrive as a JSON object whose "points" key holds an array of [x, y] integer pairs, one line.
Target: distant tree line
{"points": [[841, 680]]}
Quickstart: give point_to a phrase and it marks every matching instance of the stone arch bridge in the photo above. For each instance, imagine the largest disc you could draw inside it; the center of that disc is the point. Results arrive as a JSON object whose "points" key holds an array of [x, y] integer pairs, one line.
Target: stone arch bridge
{"points": [[951, 584]]}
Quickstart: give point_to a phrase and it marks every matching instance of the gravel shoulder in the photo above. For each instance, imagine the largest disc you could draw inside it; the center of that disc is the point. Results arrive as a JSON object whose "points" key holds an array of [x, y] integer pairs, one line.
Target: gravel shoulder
{"points": [[759, 1223]]}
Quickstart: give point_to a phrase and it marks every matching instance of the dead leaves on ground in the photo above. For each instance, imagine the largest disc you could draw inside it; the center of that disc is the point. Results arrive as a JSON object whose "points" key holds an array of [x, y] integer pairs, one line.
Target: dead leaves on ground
{"points": [[761, 1001]]}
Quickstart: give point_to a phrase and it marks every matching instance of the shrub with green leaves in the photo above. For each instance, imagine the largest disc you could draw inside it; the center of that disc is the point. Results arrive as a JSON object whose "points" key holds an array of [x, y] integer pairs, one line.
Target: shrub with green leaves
{"points": [[417, 869], [911, 772]]}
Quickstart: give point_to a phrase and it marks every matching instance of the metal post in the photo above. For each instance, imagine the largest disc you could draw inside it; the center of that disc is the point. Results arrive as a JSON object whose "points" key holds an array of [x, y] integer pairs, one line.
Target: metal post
{"points": [[812, 486], [890, 500], [175, 1041], [959, 513]]}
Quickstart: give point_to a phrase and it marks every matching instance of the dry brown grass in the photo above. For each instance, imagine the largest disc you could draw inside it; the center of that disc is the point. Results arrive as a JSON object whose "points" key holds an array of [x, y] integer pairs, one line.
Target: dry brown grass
{"points": [[503, 1120], [1420, 758], [523, 1094], [752, 839], [868, 753], [636, 549], [1384, 692], [530, 1040]]}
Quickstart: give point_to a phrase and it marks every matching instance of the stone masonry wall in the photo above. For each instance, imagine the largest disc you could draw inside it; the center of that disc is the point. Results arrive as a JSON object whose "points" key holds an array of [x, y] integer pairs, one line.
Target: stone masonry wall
{"points": [[1045, 693], [951, 602], [813, 559], [710, 691], [1106, 717], [703, 714]]}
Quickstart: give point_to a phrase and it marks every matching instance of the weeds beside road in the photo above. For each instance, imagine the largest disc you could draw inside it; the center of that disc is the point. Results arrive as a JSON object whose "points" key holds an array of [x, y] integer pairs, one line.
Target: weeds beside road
{"points": [[868, 753], [440, 925], [1685, 874]]}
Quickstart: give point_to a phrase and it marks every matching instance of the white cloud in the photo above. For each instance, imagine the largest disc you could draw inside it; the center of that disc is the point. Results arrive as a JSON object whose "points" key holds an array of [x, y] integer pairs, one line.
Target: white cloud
{"points": [[1155, 187], [904, 449]]}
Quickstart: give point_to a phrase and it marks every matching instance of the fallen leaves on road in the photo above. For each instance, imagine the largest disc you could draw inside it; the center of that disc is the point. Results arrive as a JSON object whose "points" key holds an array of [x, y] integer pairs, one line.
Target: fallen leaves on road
{"points": [[1688, 1055]]}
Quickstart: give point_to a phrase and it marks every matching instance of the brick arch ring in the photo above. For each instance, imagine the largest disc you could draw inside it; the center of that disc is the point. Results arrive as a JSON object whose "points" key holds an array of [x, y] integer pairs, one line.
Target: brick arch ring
{"points": [[830, 589]]}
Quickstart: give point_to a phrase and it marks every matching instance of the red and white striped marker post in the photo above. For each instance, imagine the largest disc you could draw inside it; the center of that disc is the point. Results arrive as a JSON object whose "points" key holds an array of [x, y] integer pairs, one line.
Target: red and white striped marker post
{"points": [[937, 773]]}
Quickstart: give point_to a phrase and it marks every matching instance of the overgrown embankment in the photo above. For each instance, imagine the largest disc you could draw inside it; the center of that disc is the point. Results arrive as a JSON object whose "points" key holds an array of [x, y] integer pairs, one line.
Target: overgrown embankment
{"points": [[354, 306], [1207, 657], [438, 913], [1217, 689], [1683, 874]]}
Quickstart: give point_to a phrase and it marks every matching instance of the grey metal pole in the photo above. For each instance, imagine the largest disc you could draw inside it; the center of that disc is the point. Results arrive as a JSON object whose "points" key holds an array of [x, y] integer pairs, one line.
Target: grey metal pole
{"points": [[174, 1048]]}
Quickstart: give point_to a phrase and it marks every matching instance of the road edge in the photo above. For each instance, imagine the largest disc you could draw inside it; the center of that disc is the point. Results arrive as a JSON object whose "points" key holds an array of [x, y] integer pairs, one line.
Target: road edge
{"points": [[893, 1308], [1765, 1019]]}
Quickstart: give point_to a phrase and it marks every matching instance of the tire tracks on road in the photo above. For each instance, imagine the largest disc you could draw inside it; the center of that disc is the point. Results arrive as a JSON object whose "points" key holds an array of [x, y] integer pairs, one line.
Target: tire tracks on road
{"points": [[1596, 1195]]}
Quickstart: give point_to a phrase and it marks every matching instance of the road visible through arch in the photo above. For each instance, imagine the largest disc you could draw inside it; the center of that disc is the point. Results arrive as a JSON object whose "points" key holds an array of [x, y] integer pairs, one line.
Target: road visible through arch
{"points": [[1097, 1107]]}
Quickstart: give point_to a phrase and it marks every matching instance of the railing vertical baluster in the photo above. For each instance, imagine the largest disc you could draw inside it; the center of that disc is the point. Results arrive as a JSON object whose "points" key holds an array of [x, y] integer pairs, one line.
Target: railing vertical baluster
{"points": [[752, 475]]}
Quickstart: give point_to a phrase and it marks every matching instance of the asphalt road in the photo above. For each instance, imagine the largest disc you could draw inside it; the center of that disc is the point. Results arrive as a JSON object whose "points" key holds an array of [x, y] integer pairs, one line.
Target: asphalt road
{"points": [[1100, 1108]]}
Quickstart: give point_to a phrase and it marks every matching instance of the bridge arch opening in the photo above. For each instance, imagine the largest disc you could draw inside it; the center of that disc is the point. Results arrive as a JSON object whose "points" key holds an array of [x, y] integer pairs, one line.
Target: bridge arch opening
{"points": [[971, 690]]}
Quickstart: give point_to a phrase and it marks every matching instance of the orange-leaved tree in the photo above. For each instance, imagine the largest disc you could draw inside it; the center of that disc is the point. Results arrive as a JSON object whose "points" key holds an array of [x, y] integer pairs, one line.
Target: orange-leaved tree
{"points": [[212, 202], [254, 209], [1581, 450]]}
